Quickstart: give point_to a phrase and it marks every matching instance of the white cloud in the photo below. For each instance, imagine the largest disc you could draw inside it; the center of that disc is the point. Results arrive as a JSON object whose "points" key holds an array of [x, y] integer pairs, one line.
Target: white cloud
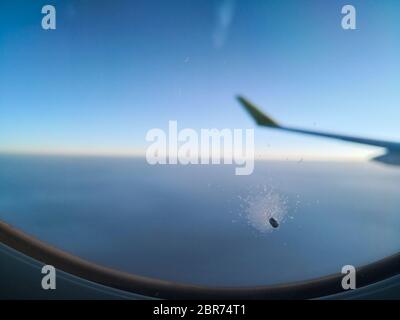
{"points": [[225, 14]]}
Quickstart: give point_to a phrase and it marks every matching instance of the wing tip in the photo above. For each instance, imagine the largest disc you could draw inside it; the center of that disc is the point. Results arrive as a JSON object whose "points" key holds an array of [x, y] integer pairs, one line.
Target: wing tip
{"points": [[261, 118]]}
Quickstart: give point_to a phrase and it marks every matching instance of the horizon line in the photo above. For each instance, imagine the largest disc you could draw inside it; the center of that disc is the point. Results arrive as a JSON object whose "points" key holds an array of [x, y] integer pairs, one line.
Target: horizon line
{"points": [[295, 157]]}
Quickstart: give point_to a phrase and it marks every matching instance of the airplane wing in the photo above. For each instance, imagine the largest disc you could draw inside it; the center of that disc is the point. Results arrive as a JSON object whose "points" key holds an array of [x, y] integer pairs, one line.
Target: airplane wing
{"points": [[264, 120]]}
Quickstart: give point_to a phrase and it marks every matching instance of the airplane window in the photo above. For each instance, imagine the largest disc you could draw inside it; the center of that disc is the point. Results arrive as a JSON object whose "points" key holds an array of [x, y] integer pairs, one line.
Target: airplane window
{"points": [[217, 143]]}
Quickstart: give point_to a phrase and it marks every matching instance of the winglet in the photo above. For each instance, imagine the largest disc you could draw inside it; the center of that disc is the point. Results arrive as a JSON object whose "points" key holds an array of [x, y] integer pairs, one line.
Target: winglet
{"points": [[261, 118]]}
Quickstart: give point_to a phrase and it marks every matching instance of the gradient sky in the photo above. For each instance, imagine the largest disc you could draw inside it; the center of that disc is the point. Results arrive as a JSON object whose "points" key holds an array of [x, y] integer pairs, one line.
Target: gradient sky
{"points": [[115, 69]]}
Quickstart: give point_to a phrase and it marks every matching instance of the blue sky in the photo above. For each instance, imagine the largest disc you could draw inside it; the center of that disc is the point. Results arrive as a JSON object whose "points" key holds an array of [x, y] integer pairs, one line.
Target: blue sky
{"points": [[115, 69]]}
